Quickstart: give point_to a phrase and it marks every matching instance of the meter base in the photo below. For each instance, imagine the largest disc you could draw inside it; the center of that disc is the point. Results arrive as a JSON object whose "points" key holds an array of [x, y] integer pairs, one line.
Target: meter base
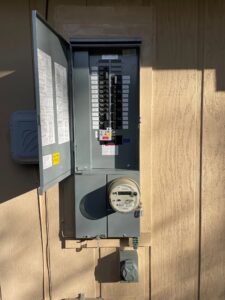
{"points": [[94, 217]]}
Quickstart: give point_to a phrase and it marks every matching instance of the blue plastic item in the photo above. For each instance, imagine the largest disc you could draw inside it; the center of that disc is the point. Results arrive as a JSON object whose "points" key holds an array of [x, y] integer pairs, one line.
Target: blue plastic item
{"points": [[24, 137]]}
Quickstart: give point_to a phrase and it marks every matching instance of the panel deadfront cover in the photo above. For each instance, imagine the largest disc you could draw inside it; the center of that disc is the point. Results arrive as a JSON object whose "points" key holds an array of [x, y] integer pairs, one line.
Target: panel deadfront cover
{"points": [[52, 91]]}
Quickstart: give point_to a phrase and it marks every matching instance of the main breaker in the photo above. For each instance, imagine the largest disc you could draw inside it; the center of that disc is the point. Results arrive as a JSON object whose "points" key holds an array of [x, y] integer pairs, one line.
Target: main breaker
{"points": [[87, 99]]}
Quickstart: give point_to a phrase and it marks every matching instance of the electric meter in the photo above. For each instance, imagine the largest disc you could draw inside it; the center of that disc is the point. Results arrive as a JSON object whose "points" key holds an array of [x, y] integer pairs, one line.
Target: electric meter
{"points": [[124, 195]]}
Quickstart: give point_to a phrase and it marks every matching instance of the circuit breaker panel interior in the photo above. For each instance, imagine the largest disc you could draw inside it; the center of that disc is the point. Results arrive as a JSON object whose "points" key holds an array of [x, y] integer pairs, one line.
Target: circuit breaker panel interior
{"points": [[106, 108]]}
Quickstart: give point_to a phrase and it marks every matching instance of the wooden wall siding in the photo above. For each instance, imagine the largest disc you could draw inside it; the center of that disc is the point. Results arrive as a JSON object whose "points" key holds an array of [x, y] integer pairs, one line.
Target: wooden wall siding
{"points": [[15, 53], [21, 264], [176, 152], [182, 156], [212, 274]]}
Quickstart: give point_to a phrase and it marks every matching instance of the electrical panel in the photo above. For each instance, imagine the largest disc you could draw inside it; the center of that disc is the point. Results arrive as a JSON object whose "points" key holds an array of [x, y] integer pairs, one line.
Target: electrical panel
{"points": [[106, 118], [106, 97], [87, 113]]}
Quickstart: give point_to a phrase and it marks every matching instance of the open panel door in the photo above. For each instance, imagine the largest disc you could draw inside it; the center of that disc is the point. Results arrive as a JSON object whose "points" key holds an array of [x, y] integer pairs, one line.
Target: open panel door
{"points": [[52, 62]]}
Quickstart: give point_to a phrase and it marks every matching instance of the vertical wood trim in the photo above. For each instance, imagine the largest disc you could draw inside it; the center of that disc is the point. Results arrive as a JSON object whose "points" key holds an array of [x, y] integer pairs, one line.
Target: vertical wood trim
{"points": [[201, 41], [145, 144], [213, 163], [44, 239], [147, 271], [96, 253]]}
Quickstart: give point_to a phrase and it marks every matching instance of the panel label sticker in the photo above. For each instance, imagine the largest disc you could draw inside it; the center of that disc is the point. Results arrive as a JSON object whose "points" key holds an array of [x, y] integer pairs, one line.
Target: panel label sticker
{"points": [[110, 150], [56, 158], [110, 57], [46, 98], [62, 104], [105, 135], [47, 161]]}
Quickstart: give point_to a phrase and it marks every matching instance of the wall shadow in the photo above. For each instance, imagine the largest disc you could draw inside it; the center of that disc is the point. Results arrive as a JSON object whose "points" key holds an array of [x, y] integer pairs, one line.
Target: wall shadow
{"points": [[92, 208], [17, 93], [108, 268], [66, 209]]}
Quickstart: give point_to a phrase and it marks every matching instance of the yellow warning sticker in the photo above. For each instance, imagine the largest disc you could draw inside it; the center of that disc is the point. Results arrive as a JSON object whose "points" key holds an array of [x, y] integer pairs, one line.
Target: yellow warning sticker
{"points": [[56, 158]]}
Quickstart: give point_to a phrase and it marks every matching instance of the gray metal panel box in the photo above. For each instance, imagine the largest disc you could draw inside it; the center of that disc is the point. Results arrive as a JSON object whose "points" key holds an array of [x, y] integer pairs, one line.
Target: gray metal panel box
{"points": [[128, 265], [106, 101]]}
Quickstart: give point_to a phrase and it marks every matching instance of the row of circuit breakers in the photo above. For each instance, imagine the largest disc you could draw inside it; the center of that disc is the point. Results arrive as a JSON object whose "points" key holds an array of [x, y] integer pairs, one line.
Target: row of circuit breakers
{"points": [[86, 127]]}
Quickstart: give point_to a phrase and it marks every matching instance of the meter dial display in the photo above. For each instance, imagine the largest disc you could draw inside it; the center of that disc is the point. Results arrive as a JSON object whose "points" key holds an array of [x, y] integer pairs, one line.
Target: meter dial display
{"points": [[124, 195]]}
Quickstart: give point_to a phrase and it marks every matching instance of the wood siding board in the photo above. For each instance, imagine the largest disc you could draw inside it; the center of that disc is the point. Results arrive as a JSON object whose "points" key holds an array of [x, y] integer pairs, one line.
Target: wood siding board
{"points": [[212, 277], [21, 264], [15, 70], [176, 152]]}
